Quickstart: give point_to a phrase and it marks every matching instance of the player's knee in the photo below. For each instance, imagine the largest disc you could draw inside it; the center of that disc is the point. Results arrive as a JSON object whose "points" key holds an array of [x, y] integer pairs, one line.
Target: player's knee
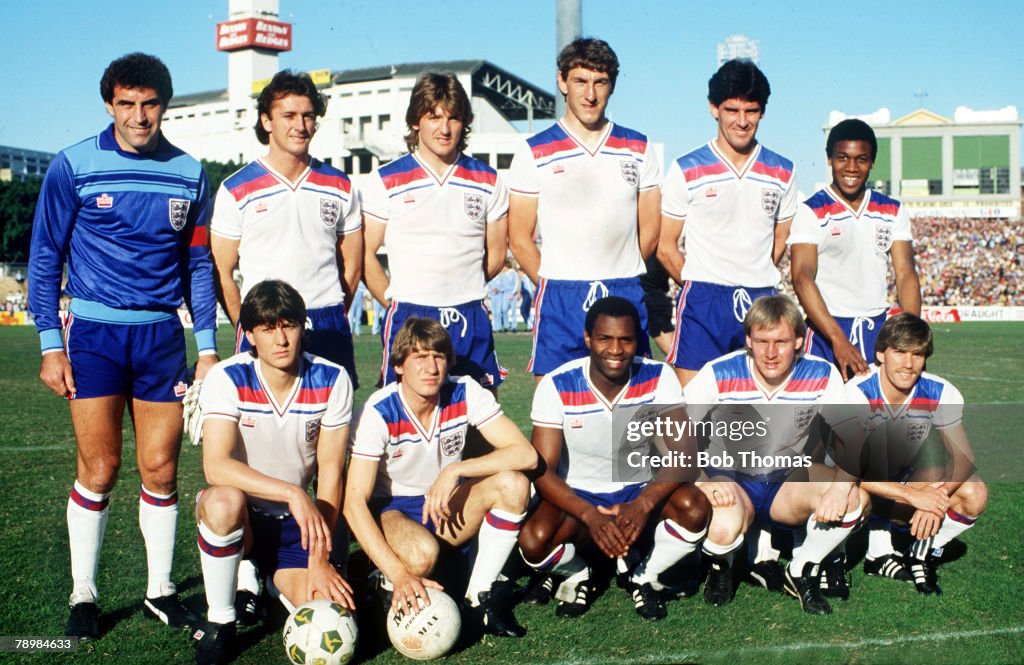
{"points": [[512, 489], [689, 507], [221, 509], [971, 499], [725, 527], [535, 540], [99, 472], [421, 556]]}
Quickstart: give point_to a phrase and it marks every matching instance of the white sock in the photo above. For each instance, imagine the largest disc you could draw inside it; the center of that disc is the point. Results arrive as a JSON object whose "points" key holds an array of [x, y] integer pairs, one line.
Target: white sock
{"points": [[498, 535], [953, 525], [671, 543], [723, 553], [219, 556], [158, 520], [87, 522], [247, 579], [879, 539], [821, 539], [759, 544], [562, 562]]}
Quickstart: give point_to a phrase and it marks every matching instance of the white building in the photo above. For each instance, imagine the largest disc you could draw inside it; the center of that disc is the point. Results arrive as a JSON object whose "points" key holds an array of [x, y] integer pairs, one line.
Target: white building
{"points": [[365, 119]]}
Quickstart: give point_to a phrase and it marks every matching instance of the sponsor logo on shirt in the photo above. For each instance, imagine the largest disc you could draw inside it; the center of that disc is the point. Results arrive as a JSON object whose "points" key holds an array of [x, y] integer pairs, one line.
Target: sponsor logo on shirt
{"points": [[710, 193], [409, 198], [576, 424], [248, 421], [177, 213], [329, 210], [557, 168], [836, 232], [104, 201], [261, 208]]}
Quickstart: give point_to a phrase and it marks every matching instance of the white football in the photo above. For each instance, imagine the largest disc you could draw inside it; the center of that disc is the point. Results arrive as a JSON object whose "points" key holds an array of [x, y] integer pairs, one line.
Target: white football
{"points": [[320, 633], [429, 634]]}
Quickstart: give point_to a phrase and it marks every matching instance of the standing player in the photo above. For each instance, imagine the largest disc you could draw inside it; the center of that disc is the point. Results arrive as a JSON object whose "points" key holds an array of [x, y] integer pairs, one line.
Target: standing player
{"points": [[841, 243], [591, 188], [409, 490], [274, 417], [441, 215], [292, 217], [792, 387], [580, 501], [127, 211], [900, 403], [736, 199]]}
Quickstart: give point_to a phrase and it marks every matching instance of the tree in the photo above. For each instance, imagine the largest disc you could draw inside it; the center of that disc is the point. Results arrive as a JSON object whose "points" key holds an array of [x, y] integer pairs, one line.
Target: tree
{"points": [[17, 205], [217, 172]]}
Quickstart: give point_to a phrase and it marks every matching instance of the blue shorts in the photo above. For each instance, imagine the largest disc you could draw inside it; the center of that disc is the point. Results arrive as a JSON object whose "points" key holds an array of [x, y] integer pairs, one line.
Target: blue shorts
{"points": [[470, 330], [410, 506], [709, 322], [144, 361], [327, 335], [761, 494], [609, 499], [560, 314], [861, 331], [276, 543]]}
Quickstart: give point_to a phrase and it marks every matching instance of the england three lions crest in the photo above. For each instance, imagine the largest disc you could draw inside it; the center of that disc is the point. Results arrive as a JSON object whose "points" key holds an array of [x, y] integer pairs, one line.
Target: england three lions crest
{"points": [[312, 430], [770, 199], [803, 415], [883, 236], [630, 172], [177, 213], [473, 204], [329, 211], [451, 444]]}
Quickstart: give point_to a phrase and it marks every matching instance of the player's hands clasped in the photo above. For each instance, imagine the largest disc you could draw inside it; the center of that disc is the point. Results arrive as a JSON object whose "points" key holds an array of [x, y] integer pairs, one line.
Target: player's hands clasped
{"points": [[605, 532]]}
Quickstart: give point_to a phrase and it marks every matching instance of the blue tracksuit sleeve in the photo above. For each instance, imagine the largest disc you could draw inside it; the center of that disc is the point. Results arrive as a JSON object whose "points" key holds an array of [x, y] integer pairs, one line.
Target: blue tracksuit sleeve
{"points": [[56, 211], [197, 284]]}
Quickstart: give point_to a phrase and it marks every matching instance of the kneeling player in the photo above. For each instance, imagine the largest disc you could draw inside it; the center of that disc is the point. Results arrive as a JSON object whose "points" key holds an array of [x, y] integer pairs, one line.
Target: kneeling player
{"points": [[274, 417], [770, 371], [409, 490], [899, 403], [579, 500]]}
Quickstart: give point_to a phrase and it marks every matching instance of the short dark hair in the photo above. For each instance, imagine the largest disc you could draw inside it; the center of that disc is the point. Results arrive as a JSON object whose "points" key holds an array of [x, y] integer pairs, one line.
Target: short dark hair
{"points": [[905, 332], [589, 53], [421, 333], [739, 79], [430, 90], [271, 302], [286, 82], [851, 129], [137, 70], [615, 307]]}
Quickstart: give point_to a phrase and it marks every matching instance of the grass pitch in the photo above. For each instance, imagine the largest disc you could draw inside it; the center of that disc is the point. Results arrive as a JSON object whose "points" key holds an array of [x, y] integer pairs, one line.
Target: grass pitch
{"points": [[979, 618]]}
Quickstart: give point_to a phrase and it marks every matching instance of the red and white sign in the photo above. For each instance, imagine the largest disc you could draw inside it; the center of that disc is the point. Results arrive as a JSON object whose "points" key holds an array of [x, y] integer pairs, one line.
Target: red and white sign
{"points": [[254, 33]]}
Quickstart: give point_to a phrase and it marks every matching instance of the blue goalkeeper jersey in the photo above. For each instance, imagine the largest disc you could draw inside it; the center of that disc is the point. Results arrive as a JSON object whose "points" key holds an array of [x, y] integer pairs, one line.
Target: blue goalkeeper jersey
{"points": [[133, 231]]}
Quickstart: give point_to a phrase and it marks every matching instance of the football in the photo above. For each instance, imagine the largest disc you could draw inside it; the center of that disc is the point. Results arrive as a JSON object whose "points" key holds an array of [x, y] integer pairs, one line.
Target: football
{"points": [[320, 633], [429, 634]]}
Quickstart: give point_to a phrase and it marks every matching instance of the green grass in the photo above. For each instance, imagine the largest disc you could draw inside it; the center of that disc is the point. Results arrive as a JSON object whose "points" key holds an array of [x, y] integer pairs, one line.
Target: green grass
{"points": [[980, 617]]}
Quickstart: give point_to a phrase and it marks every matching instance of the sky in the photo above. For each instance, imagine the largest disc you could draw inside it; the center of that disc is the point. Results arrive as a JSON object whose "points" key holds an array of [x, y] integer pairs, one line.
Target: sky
{"points": [[853, 57]]}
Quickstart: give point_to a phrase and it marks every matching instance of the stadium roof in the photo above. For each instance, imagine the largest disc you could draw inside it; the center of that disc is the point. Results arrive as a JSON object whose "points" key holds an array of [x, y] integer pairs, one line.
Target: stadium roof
{"points": [[510, 95]]}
